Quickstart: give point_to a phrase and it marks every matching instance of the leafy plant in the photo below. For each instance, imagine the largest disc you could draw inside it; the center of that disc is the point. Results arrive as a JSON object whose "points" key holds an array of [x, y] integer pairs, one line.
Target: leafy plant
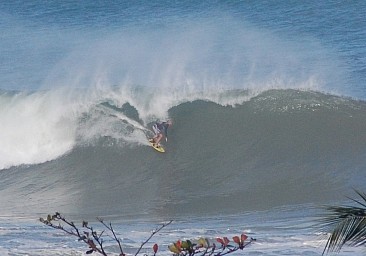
{"points": [[96, 242], [204, 246], [346, 224]]}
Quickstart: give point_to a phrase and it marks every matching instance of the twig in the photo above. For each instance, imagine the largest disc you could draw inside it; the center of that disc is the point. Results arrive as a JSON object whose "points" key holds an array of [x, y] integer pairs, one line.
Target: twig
{"points": [[74, 231], [110, 228], [152, 234]]}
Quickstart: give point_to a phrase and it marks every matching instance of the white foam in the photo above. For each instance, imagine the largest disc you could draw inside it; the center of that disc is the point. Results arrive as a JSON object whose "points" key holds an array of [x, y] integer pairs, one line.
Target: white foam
{"points": [[35, 128]]}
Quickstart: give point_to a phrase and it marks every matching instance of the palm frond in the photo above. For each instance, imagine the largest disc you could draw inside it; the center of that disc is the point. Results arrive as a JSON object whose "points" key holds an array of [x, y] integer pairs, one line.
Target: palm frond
{"points": [[346, 224], [362, 195]]}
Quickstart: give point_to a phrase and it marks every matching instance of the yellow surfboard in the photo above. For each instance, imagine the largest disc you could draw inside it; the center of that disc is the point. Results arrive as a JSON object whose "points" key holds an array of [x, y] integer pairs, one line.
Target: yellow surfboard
{"points": [[159, 148]]}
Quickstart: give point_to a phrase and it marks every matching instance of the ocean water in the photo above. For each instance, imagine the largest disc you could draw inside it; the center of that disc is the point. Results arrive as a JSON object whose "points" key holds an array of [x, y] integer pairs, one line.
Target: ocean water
{"points": [[268, 101]]}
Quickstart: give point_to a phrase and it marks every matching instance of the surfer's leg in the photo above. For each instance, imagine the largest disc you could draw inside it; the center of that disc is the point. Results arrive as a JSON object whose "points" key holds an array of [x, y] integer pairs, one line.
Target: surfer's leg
{"points": [[154, 127], [158, 138]]}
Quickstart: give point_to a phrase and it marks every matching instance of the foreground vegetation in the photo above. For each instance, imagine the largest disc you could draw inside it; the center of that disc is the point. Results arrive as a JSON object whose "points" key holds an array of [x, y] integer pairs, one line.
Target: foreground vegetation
{"points": [[96, 240], [346, 225]]}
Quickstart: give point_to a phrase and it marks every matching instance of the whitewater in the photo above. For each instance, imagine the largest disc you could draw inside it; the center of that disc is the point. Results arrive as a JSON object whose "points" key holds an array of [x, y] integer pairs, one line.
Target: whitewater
{"points": [[267, 100]]}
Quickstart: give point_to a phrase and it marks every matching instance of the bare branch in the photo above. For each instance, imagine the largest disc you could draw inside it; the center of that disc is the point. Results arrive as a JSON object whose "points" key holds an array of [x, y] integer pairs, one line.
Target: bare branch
{"points": [[110, 228], [152, 234]]}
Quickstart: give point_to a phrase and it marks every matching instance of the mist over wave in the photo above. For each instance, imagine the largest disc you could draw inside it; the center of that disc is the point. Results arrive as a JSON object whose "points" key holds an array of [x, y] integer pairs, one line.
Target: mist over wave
{"points": [[198, 55], [211, 52], [152, 70]]}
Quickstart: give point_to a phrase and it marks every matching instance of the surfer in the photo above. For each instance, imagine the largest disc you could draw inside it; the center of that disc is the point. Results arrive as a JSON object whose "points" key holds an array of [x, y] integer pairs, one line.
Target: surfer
{"points": [[160, 130]]}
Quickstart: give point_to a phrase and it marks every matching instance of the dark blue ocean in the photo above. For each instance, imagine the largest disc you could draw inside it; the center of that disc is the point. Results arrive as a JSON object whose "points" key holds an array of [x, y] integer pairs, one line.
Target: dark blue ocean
{"points": [[268, 100]]}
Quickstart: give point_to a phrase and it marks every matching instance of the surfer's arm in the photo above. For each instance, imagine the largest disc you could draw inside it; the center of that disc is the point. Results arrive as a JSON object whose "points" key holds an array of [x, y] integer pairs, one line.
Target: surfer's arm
{"points": [[166, 131], [166, 134]]}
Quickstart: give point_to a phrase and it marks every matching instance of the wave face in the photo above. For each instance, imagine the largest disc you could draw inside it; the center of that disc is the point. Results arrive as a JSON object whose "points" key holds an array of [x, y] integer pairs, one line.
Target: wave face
{"points": [[279, 147]]}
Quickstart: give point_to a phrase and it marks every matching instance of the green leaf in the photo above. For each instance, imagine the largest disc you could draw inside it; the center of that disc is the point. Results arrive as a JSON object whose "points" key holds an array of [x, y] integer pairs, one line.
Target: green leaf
{"points": [[347, 224]]}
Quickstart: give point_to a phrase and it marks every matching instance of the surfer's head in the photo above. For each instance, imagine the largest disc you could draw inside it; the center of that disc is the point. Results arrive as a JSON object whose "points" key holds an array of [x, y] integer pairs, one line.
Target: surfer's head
{"points": [[170, 122]]}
